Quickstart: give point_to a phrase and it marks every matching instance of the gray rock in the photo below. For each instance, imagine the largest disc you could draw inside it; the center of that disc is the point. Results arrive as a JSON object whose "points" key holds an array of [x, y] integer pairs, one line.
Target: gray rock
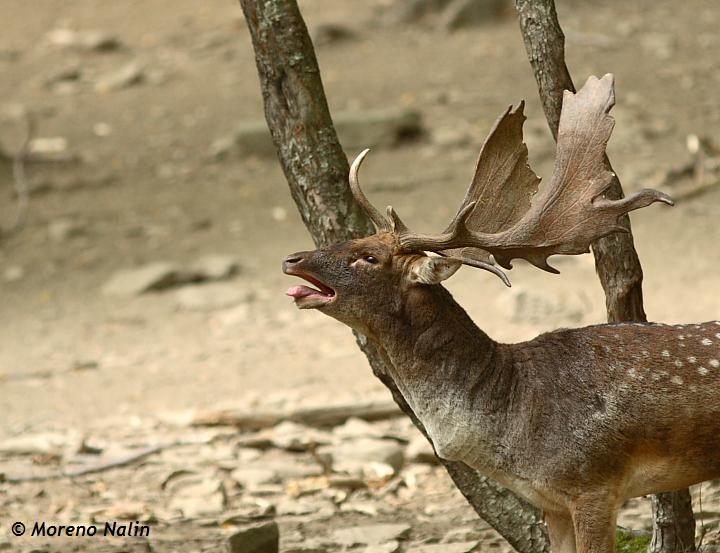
{"points": [[249, 509], [44, 443], [357, 428], [419, 450], [373, 534], [263, 537], [292, 507], [332, 33], [466, 13], [62, 229], [363, 507], [458, 547], [215, 267], [221, 147], [389, 547], [68, 73], [161, 275], [210, 297], [204, 497], [531, 306], [297, 437], [453, 14], [13, 273], [128, 75], [154, 276], [250, 478], [99, 41], [92, 41], [342, 482], [411, 11], [288, 507], [662, 45], [292, 469], [378, 128], [450, 137], [246, 455], [366, 129], [308, 547], [250, 138], [47, 147], [352, 456], [460, 535]]}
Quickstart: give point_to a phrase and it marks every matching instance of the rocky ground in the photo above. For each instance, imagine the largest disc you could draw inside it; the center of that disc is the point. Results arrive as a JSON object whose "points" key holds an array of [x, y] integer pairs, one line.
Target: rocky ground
{"points": [[196, 482], [144, 326], [328, 488], [204, 481]]}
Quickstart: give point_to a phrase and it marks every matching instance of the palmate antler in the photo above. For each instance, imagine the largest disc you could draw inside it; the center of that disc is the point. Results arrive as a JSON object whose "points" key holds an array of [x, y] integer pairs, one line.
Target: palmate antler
{"points": [[497, 217]]}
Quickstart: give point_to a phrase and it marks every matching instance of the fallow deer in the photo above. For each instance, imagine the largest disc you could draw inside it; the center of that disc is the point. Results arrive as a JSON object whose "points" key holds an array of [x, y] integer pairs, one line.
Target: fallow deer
{"points": [[575, 420]]}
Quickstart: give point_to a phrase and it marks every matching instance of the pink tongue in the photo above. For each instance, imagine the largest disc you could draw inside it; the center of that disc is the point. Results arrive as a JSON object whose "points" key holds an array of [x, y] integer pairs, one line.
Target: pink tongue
{"points": [[301, 291]]}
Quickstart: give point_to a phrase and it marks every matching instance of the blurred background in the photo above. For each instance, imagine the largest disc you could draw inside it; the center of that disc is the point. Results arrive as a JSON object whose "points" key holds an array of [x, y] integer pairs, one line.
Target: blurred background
{"points": [[144, 285]]}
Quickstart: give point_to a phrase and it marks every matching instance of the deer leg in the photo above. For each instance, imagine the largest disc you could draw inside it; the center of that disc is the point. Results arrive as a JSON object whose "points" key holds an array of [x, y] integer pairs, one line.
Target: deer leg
{"points": [[561, 532], [594, 517]]}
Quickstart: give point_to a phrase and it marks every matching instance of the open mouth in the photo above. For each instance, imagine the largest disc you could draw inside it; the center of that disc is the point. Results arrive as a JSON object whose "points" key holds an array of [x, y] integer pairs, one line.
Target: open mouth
{"points": [[307, 297]]}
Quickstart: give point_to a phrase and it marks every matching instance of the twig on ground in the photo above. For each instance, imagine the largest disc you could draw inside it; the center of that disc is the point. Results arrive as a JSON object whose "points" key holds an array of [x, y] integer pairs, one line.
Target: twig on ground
{"points": [[311, 416], [20, 178], [117, 462], [121, 461]]}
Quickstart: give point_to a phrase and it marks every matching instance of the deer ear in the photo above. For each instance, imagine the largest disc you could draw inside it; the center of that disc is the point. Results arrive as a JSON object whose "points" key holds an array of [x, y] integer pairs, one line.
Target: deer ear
{"points": [[433, 270]]}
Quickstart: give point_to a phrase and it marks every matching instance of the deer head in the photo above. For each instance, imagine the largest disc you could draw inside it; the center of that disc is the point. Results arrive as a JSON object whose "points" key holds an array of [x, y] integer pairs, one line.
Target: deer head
{"points": [[496, 222]]}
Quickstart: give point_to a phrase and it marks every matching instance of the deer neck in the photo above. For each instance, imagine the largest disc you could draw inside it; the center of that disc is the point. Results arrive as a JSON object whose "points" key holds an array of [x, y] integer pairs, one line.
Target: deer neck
{"points": [[458, 381]]}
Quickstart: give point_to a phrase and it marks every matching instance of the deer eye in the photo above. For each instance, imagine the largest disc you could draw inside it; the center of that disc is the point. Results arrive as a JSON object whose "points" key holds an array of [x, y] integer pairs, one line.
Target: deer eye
{"points": [[370, 259]]}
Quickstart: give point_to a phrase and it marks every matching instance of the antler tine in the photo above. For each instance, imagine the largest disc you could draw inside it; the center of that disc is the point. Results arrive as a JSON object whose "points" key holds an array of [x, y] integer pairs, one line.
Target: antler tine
{"points": [[482, 265], [457, 235], [398, 227], [380, 222]]}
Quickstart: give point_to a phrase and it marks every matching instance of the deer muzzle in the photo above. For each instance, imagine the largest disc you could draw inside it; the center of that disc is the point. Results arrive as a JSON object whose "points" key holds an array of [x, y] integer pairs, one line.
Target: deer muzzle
{"points": [[306, 297]]}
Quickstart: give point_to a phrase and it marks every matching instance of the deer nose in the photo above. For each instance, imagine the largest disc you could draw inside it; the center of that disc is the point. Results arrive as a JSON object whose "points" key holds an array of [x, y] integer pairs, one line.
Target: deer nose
{"points": [[292, 260]]}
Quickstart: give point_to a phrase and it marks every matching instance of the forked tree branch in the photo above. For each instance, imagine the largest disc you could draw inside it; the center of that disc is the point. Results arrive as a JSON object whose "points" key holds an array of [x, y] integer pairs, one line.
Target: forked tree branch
{"points": [[316, 169], [616, 259]]}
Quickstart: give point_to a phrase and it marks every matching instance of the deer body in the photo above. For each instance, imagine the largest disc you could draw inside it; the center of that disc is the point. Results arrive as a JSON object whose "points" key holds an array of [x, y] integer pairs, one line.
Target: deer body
{"points": [[569, 410], [575, 421]]}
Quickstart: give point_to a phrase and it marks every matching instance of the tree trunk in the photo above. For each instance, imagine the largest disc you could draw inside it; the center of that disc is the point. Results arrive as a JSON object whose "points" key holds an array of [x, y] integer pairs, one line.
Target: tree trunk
{"points": [[616, 260], [673, 522], [317, 171]]}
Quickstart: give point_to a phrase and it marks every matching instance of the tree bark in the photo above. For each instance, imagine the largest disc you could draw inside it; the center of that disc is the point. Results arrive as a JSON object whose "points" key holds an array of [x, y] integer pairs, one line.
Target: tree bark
{"points": [[317, 172], [297, 114], [673, 523], [616, 259]]}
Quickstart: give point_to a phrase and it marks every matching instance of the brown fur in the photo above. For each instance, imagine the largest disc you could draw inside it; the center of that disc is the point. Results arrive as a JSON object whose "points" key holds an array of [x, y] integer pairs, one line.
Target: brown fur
{"points": [[575, 421]]}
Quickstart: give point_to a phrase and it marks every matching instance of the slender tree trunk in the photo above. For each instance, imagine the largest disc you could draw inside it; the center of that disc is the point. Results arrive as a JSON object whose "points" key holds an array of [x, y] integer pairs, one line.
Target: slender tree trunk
{"points": [[673, 523], [316, 170], [616, 260]]}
